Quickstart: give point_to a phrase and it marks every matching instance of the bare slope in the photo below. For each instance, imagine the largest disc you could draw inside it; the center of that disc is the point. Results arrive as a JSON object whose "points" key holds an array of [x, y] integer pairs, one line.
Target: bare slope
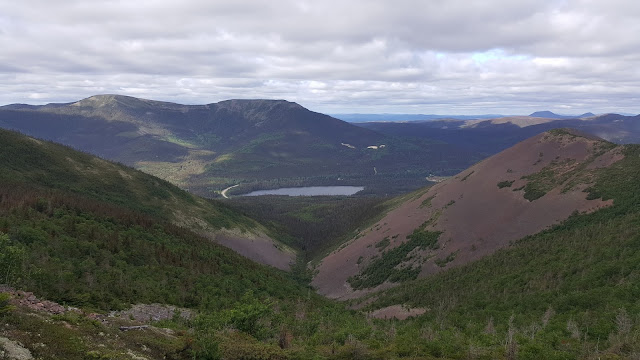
{"points": [[515, 193]]}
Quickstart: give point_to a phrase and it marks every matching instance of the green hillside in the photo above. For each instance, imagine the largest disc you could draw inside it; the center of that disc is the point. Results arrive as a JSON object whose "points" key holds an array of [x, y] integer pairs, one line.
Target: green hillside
{"points": [[46, 165]]}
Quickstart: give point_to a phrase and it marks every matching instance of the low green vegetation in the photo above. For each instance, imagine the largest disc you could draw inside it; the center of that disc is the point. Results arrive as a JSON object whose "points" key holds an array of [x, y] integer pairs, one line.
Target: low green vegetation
{"points": [[534, 191], [391, 266], [567, 173], [442, 262], [5, 307], [427, 202], [506, 183], [382, 244]]}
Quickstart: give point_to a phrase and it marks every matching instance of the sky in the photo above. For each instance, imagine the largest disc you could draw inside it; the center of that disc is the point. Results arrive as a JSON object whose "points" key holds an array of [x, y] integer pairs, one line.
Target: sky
{"points": [[332, 56]]}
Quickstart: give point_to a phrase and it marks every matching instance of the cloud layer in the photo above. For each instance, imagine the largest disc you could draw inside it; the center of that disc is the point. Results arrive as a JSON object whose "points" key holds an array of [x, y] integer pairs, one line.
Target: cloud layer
{"points": [[428, 56]]}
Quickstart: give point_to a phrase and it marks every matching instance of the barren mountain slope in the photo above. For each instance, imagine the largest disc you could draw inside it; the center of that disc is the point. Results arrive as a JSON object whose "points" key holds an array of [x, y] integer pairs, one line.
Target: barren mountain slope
{"points": [[518, 192]]}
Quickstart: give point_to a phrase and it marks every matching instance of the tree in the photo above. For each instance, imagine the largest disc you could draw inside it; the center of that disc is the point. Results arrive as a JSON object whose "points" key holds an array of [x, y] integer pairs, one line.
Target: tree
{"points": [[4, 304], [11, 259]]}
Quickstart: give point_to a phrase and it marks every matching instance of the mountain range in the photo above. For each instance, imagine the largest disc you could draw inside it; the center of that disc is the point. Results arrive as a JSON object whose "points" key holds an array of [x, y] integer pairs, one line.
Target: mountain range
{"points": [[261, 144], [490, 136], [254, 143], [357, 118]]}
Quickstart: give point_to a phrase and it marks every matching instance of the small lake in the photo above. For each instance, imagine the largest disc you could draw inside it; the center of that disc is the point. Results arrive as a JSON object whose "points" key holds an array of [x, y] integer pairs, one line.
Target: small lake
{"points": [[309, 191]]}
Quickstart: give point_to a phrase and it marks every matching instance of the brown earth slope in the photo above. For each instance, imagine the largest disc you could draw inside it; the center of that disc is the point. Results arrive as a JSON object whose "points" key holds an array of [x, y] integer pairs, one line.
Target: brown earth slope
{"points": [[518, 192]]}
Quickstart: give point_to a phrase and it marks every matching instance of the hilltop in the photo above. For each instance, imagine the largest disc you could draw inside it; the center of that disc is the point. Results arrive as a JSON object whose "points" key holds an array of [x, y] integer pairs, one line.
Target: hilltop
{"points": [[518, 192]]}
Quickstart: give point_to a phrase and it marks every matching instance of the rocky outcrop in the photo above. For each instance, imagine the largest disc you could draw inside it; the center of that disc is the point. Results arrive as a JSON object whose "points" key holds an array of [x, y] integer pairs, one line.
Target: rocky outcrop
{"points": [[29, 300]]}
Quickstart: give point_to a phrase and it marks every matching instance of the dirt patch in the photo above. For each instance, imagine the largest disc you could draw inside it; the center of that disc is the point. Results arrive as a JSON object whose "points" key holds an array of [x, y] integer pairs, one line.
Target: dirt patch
{"points": [[400, 312], [474, 214], [259, 248]]}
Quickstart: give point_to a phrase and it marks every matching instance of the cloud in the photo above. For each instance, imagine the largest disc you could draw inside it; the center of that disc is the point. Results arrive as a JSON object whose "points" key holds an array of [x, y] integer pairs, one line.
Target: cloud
{"points": [[451, 56]]}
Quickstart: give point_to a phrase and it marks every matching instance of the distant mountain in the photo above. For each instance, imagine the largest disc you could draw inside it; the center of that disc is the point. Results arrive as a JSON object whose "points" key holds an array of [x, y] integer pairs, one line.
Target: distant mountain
{"points": [[527, 188], [494, 135], [551, 115], [256, 143], [408, 117]]}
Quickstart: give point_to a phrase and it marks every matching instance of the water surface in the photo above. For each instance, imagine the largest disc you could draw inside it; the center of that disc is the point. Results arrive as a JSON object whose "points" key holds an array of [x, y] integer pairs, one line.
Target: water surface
{"points": [[309, 191]]}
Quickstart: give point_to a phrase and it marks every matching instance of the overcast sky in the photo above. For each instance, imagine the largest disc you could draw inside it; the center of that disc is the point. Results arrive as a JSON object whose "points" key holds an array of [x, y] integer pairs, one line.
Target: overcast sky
{"points": [[369, 56]]}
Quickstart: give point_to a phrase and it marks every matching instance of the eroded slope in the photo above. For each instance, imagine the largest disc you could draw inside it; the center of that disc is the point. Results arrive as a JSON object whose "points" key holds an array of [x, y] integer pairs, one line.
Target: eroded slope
{"points": [[518, 192]]}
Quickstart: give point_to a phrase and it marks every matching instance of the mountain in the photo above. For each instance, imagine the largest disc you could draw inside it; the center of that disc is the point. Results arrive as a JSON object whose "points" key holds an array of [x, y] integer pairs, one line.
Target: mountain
{"points": [[255, 143], [351, 117], [518, 192], [555, 294], [43, 165], [547, 114], [491, 136], [551, 115]]}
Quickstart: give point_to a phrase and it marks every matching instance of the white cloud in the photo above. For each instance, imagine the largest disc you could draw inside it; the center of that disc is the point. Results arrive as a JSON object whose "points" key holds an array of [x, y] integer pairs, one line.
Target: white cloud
{"points": [[451, 56]]}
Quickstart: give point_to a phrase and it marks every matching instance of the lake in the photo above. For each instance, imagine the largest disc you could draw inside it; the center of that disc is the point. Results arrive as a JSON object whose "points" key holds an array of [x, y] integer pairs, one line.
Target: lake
{"points": [[309, 191]]}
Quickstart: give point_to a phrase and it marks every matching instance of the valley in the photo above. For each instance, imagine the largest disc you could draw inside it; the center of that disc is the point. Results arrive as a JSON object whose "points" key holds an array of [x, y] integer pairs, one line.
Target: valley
{"points": [[499, 238]]}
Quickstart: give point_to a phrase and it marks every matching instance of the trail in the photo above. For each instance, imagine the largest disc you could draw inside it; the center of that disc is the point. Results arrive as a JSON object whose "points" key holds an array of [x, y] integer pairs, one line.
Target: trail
{"points": [[224, 192]]}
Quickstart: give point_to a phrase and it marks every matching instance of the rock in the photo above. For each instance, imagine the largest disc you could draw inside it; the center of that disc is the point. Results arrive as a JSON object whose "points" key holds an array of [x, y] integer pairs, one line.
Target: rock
{"points": [[154, 312], [13, 350]]}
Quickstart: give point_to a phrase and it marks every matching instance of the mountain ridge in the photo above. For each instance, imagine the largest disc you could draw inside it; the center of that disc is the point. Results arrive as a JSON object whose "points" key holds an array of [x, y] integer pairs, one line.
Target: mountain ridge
{"points": [[534, 184], [552, 115]]}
